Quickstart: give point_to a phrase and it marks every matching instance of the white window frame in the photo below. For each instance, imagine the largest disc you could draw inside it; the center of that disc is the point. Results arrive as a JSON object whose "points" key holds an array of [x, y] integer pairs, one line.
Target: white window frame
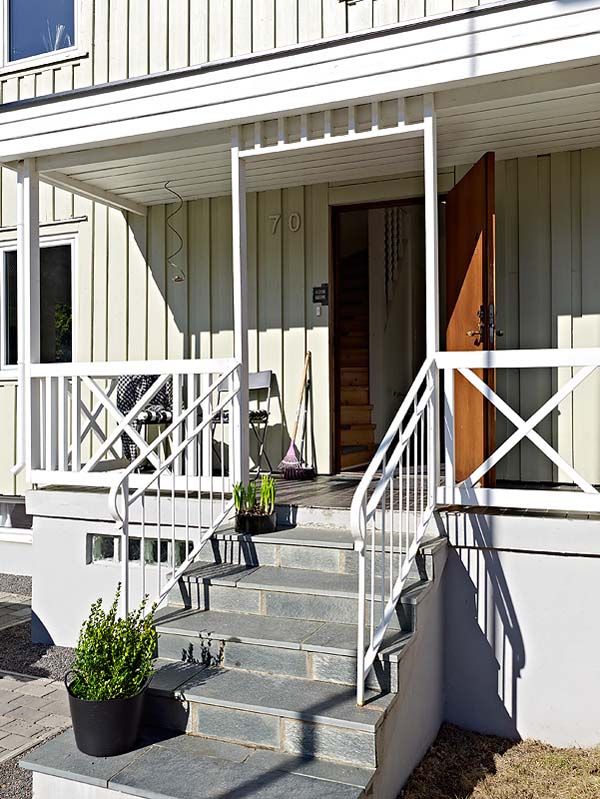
{"points": [[10, 371], [43, 58]]}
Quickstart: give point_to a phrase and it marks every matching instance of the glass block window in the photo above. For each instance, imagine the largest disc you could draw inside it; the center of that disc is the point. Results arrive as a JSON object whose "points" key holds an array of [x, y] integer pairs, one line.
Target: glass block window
{"points": [[104, 548]]}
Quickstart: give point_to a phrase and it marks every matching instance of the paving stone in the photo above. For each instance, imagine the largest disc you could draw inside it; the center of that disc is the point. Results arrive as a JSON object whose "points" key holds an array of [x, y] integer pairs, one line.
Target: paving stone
{"points": [[10, 683], [35, 702], [25, 728], [60, 707], [36, 689], [14, 741], [6, 707], [25, 713], [53, 721]]}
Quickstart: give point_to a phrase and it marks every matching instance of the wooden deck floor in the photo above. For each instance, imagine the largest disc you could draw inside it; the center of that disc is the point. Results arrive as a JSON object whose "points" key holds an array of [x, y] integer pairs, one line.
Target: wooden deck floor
{"points": [[334, 491]]}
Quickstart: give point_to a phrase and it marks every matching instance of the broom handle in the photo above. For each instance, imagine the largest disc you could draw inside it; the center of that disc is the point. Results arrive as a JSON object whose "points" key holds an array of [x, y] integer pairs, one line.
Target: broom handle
{"points": [[302, 389]]}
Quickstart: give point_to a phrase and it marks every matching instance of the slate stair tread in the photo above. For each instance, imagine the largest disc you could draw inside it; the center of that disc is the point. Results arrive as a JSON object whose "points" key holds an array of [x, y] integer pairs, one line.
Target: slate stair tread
{"points": [[288, 697], [316, 636], [276, 578], [179, 766], [337, 537]]}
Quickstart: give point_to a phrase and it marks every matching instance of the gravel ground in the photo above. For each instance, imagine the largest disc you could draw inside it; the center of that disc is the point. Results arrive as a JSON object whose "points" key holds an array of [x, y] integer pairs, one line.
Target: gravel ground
{"points": [[13, 584], [18, 654], [15, 783]]}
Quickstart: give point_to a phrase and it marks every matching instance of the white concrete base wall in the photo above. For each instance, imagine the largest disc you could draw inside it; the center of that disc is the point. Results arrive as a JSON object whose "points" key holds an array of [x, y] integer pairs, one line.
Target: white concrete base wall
{"points": [[414, 720], [46, 786], [16, 552], [65, 584], [522, 651]]}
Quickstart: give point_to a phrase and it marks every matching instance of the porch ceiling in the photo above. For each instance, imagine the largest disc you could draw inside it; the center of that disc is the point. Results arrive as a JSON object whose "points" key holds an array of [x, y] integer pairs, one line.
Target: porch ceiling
{"points": [[468, 126]]}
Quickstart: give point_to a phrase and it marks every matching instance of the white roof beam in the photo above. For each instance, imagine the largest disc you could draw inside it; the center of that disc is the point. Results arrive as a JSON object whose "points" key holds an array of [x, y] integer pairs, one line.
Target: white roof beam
{"points": [[87, 190], [92, 192], [139, 149]]}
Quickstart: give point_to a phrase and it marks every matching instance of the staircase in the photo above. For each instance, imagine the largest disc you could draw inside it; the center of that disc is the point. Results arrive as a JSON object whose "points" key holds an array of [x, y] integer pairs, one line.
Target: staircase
{"points": [[257, 648], [355, 428]]}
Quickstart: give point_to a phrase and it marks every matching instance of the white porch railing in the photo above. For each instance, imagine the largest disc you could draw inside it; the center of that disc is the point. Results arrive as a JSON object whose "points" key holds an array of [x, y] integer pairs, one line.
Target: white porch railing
{"points": [[76, 427], [400, 490], [390, 513], [577, 366]]}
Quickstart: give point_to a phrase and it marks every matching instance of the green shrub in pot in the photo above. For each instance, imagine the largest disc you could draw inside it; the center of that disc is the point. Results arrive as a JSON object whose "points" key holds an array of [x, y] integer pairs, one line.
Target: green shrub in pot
{"points": [[112, 668]]}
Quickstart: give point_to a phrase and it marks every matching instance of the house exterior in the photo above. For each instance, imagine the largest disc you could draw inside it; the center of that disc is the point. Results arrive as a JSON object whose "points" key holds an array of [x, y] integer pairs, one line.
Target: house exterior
{"points": [[409, 191]]}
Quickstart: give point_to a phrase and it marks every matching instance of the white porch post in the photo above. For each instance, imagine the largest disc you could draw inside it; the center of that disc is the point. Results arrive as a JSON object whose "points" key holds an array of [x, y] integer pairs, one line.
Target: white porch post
{"points": [[28, 293], [432, 295], [240, 430]]}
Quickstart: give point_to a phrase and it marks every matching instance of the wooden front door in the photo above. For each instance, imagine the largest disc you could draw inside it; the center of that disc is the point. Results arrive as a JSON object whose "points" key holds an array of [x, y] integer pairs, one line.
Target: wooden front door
{"points": [[470, 251]]}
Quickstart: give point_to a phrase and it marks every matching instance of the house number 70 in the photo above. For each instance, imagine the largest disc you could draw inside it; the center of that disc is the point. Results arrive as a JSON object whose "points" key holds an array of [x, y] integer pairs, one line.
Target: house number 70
{"points": [[294, 222]]}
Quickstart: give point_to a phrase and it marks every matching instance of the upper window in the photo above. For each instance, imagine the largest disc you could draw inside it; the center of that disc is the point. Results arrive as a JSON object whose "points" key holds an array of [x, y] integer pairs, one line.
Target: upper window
{"points": [[56, 309], [36, 27]]}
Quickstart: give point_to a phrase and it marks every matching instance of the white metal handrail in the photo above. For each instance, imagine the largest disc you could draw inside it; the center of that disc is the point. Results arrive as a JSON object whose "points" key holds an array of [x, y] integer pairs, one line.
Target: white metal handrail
{"points": [[186, 473], [390, 512]]}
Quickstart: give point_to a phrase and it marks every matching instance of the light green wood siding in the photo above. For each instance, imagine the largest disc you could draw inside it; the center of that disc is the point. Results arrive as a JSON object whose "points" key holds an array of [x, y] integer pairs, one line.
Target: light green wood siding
{"points": [[548, 295], [121, 39]]}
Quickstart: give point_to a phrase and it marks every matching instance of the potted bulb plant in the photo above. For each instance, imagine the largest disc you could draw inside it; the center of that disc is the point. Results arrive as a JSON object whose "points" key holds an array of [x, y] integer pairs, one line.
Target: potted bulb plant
{"points": [[107, 683], [255, 510]]}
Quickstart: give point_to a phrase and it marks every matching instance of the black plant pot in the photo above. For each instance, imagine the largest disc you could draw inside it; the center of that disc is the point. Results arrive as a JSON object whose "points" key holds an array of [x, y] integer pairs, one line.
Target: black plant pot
{"points": [[255, 523], [109, 727]]}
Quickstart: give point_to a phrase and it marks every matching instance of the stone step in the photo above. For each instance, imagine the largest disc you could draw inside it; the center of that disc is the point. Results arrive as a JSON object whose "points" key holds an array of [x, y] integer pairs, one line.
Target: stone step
{"points": [[325, 652], [277, 713], [319, 548], [279, 592], [167, 764]]}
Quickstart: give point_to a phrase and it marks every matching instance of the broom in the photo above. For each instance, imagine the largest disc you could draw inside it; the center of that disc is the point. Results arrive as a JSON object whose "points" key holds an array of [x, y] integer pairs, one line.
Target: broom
{"points": [[293, 466]]}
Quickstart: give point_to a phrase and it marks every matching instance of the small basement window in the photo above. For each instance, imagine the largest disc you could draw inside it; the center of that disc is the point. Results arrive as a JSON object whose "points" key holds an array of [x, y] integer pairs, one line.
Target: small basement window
{"points": [[13, 516], [36, 27], [105, 549]]}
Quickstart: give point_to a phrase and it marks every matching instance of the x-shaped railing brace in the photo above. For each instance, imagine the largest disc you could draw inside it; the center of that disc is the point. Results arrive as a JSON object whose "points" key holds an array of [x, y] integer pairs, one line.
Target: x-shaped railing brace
{"points": [[526, 429]]}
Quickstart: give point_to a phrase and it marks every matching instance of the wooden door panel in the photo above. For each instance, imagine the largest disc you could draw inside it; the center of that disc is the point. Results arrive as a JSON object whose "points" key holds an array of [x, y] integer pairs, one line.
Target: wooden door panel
{"points": [[470, 255]]}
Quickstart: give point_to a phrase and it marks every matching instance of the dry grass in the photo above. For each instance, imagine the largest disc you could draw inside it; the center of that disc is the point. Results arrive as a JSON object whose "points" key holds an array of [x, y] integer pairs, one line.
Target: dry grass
{"points": [[464, 765]]}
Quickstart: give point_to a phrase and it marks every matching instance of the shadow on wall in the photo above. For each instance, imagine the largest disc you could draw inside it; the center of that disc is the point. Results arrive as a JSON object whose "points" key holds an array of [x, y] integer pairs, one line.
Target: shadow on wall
{"points": [[484, 648]]}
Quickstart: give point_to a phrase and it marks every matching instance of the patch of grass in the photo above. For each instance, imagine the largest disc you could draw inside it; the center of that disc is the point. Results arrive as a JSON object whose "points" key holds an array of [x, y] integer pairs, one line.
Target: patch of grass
{"points": [[465, 765]]}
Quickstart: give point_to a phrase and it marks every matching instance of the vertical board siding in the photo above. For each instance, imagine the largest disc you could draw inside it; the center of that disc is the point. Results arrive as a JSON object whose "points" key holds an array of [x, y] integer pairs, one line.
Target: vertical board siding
{"points": [[548, 295], [122, 39]]}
